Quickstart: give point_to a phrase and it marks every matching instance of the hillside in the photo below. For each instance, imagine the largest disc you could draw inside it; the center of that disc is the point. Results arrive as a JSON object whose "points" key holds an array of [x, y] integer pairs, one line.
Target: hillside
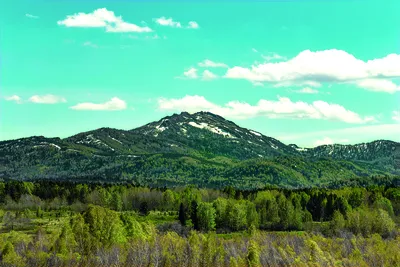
{"points": [[201, 148]]}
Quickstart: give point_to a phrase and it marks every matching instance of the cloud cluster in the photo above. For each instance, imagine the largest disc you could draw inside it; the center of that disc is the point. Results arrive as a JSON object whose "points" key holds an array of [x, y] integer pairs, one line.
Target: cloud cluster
{"points": [[14, 98], [191, 73], [114, 104], [283, 108], [47, 99], [327, 66], [170, 22], [102, 18]]}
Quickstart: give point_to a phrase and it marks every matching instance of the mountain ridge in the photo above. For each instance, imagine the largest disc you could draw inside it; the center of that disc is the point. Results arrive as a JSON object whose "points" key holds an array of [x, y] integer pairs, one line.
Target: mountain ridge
{"points": [[182, 144]]}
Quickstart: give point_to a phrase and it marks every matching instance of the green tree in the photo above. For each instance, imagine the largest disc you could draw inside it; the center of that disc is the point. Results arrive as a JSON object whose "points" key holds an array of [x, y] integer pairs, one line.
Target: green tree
{"points": [[338, 222], [237, 217], [182, 214], [84, 240], [10, 257], [252, 215], [220, 205], [253, 255], [144, 208], [206, 216], [104, 225], [193, 214]]}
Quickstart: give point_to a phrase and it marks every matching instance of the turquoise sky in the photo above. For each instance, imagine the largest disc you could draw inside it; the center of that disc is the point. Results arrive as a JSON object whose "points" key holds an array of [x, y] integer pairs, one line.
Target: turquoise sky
{"points": [[304, 72]]}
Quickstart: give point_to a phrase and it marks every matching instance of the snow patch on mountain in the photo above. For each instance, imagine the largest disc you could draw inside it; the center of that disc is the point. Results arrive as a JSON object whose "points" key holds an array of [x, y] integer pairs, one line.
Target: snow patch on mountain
{"points": [[115, 140], [213, 129], [255, 133]]}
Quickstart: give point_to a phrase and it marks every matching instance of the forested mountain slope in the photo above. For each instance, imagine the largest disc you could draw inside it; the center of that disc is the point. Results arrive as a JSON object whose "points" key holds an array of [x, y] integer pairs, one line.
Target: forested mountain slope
{"points": [[200, 148]]}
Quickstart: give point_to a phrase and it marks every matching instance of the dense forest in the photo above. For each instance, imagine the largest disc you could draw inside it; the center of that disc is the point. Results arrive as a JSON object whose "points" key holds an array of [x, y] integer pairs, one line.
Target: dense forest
{"points": [[69, 224]]}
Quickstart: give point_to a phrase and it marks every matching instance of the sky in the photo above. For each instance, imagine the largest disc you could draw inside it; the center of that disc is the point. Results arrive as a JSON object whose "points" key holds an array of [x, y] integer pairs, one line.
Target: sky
{"points": [[304, 72]]}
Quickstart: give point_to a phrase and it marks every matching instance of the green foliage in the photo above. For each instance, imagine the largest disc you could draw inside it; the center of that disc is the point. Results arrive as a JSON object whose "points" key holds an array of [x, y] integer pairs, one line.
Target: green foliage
{"points": [[10, 257], [206, 216], [253, 255], [104, 225]]}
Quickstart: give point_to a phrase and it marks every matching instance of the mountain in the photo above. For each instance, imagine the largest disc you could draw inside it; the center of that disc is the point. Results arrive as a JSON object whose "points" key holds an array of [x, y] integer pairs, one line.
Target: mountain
{"points": [[201, 148], [212, 135]]}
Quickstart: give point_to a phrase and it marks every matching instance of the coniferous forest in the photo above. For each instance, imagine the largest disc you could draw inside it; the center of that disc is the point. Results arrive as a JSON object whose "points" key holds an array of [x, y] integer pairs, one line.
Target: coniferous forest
{"points": [[68, 224]]}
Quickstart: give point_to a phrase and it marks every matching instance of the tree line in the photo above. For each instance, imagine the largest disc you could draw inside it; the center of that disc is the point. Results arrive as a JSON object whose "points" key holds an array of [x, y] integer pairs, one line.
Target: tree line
{"points": [[56, 224]]}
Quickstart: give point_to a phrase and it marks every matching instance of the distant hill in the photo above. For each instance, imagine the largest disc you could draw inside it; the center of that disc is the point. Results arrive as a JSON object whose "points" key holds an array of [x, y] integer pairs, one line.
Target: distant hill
{"points": [[202, 149]]}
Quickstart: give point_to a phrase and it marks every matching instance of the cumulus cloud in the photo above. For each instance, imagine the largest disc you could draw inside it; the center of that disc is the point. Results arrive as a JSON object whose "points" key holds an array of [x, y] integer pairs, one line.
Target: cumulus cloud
{"points": [[396, 116], [102, 18], [208, 75], [47, 99], [188, 103], [378, 85], [163, 21], [283, 108], [170, 22], [307, 90], [31, 16], [14, 98], [211, 64], [193, 25], [114, 104], [327, 66], [324, 141], [189, 74]]}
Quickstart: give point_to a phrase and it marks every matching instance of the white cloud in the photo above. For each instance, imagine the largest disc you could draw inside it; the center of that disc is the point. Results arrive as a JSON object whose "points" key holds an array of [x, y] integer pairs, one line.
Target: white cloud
{"points": [[193, 25], [211, 64], [324, 141], [31, 16], [163, 21], [190, 74], [272, 57], [307, 90], [330, 141], [258, 84], [301, 83], [15, 98], [254, 50], [188, 103], [102, 18], [90, 44], [396, 116], [114, 104], [170, 22], [327, 66], [47, 99], [208, 75], [379, 85], [283, 108], [148, 37]]}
